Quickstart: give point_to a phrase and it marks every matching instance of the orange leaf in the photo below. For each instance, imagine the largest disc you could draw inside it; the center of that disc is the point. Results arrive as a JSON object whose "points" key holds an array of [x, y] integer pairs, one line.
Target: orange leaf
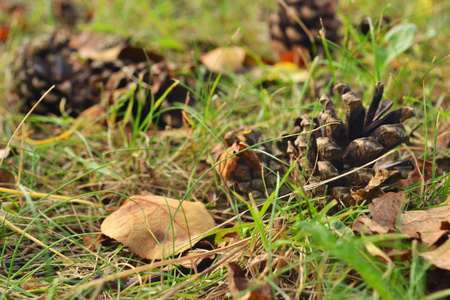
{"points": [[155, 227], [230, 160], [228, 164]]}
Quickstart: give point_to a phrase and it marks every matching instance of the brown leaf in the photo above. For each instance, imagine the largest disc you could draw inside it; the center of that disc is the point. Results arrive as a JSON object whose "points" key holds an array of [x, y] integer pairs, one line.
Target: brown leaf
{"points": [[364, 224], [224, 59], [228, 164], [386, 209], [439, 257], [238, 282], [418, 175], [367, 194], [89, 44], [427, 225], [155, 227], [7, 179], [108, 47], [384, 212], [373, 190], [381, 175]]}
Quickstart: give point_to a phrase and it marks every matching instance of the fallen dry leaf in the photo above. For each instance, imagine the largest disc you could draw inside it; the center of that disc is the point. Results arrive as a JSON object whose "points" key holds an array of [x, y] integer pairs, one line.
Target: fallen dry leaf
{"points": [[238, 282], [439, 257], [384, 212], [427, 225], [104, 47], [155, 227], [224, 59], [418, 175], [373, 190], [7, 179], [228, 162]]}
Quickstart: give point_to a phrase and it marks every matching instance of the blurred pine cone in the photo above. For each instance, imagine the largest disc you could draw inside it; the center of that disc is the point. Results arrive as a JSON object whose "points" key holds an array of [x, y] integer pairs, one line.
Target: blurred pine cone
{"points": [[79, 81], [45, 62], [294, 30]]}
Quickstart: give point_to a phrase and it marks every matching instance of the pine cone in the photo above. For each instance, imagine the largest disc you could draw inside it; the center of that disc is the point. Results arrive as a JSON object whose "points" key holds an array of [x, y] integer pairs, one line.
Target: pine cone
{"points": [[326, 147], [249, 169], [295, 28], [55, 61], [50, 61]]}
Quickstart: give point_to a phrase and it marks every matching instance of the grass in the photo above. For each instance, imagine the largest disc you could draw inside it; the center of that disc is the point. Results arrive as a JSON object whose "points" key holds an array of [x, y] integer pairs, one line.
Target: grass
{"points": [[300, 246]]}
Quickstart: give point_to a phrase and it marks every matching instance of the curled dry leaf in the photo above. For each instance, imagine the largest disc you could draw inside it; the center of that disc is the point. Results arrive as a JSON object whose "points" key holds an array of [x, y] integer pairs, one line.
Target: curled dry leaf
{"points": [[373, 190], [231, 160], [155, 227], [238, 283]]}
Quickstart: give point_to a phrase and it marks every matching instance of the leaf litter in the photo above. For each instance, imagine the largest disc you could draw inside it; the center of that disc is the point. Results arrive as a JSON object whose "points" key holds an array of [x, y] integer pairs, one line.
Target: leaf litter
{"points": [[430, 227]]}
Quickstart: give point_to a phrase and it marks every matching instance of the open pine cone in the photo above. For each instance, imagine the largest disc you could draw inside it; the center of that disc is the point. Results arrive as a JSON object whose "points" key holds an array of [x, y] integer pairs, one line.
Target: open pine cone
{"points": [[294, 30], [80, 82], [326, 147]]}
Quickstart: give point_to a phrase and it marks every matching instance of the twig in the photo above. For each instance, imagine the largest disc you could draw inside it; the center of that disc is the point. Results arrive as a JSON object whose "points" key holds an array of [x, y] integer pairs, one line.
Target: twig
{"points": [[42, 195], [27, 235], [314, 185], [154, 265]]}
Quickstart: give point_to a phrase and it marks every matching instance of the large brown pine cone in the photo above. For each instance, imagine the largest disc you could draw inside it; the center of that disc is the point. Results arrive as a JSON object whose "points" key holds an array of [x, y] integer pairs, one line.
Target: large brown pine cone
{"points": [[295, 28], [326, 147]]}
